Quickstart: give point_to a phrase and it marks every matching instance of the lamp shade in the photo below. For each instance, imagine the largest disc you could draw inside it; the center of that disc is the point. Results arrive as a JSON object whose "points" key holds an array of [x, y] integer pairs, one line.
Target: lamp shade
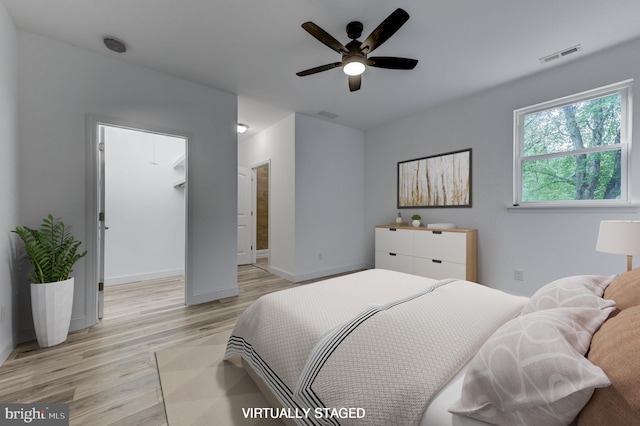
{"points": [[619, 237]]}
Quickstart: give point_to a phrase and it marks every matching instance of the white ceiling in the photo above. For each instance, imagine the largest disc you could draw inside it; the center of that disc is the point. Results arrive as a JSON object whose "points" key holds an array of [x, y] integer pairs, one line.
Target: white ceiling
{"points": [[253, 48]]}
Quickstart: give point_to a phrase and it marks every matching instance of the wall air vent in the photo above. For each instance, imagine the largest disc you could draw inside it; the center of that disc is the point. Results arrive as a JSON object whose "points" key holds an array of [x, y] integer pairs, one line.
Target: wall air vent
{"points": [[560, 54]]}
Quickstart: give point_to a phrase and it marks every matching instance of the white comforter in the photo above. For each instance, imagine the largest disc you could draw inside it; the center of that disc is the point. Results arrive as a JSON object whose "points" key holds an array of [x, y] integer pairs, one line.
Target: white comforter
{"points": [[380, 343]]}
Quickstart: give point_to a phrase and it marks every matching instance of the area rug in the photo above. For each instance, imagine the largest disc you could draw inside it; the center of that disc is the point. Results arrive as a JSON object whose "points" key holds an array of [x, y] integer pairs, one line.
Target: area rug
{"points": [[199, 388]]}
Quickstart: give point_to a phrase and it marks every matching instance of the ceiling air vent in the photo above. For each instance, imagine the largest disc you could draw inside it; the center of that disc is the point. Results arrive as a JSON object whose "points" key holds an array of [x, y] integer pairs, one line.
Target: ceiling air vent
{"points": [[560, 54], [327, 114]]}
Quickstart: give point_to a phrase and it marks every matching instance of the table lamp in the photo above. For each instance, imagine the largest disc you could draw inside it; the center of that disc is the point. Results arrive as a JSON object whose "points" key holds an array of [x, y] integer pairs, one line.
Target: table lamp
{"points": [[620, 237]]}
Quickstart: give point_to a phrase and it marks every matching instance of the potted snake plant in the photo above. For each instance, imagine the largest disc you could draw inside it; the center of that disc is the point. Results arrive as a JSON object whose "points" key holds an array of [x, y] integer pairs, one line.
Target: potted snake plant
{"points": [[52, 251]]}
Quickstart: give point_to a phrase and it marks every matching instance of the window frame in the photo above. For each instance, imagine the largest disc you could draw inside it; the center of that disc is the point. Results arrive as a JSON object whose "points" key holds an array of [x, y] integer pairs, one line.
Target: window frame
{"points": [[622, 88]]}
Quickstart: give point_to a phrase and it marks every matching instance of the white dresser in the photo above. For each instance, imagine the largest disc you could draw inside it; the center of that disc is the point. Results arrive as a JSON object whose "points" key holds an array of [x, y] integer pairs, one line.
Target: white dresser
{"points": [[433, 253]]}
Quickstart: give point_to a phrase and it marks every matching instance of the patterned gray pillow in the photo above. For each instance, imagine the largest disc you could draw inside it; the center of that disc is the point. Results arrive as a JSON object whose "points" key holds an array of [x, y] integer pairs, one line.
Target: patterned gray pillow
{"points": [[532, 371], [577, 290]]}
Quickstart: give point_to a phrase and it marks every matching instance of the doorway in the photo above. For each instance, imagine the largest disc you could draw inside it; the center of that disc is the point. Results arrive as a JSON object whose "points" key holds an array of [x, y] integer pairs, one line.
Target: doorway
{"points": [[261, 201], [142, 187]]}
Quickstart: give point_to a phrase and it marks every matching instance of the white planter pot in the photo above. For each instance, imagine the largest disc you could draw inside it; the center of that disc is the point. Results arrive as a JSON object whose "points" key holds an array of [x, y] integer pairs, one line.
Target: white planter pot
{"points": [[416, 223], [51, 305]]}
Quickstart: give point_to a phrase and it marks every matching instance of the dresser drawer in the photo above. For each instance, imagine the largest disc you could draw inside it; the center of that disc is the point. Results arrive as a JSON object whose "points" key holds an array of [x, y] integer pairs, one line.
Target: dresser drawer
{"points": [[394, 262], [392, 240], [439, 269], [444, 246], [433, 253]]}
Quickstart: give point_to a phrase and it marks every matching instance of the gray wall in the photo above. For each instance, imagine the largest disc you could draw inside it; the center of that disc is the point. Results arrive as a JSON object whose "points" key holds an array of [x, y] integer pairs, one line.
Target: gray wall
{"points": [[329, 198], [9, 182], [58, 86], [546, 245]]}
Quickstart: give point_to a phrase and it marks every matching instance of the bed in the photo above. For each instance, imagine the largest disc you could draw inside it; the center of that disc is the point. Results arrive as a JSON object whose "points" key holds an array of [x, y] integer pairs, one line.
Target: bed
{"points": [[381, 347]]}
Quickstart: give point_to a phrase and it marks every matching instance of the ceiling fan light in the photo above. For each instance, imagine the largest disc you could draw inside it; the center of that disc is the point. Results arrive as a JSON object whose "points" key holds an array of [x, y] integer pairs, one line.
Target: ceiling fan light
{"points": [[353, 68]]}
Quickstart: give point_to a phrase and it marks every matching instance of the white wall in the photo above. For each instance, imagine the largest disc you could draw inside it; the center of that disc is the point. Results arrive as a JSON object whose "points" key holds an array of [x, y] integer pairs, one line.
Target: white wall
{"points": [[317, 181], [329, 198], [58, 86], [546, 245], [9, 218], [277, 145], [145, 213]]}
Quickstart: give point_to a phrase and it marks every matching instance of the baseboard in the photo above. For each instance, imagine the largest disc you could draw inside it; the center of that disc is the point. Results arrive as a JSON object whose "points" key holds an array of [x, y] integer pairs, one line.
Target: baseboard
{"points": [[25, 335], [78, 323], [211, 296], [281, 273], [29, 334], [126, 279], [6, 351], [328, 272], [317, 274]]}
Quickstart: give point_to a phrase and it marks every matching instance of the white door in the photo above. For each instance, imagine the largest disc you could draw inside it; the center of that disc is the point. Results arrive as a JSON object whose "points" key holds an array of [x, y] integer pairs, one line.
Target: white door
{"points": [[245, 251], [101, 223]]}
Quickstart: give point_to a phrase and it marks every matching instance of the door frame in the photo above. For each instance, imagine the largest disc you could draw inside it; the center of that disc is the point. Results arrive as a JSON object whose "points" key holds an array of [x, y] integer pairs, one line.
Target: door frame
{"points": [[254, 205], [244, 191], [92, 204]]}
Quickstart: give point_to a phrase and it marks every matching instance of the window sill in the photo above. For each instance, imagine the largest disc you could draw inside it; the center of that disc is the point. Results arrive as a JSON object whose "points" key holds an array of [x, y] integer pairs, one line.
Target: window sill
{"points": [[626, 208]]}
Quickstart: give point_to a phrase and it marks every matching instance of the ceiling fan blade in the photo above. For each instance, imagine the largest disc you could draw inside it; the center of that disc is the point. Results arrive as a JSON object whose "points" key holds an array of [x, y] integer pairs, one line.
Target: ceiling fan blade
{"points": [[354, 82], [324, 37], [319, 69], [386, 29], [391, 62]]}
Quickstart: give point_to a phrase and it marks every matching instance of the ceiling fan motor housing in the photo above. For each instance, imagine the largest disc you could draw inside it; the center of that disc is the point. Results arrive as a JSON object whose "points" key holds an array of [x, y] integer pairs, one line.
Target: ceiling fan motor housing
{"points": [[354, 29]]}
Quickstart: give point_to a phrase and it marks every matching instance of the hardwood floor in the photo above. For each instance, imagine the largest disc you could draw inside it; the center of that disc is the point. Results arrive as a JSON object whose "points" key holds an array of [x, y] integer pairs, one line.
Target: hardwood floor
{"points": [[107, 373]]}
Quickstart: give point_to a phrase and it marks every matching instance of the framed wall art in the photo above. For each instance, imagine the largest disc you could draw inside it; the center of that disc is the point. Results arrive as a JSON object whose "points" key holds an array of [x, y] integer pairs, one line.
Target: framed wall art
{"points": [[437, 181]]}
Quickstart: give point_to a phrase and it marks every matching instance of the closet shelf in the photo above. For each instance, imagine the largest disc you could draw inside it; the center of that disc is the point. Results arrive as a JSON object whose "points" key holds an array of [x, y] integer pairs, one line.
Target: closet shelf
{"points": [[179, 162]]}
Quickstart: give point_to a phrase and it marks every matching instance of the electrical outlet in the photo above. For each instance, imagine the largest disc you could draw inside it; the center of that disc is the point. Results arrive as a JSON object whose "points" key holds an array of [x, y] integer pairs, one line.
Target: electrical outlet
{"points": [[319, 256], [3, 310], [518, 274]]}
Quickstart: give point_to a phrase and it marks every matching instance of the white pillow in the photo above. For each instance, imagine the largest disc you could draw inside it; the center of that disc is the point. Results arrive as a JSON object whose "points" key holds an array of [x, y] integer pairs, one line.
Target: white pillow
{"points": [[578, 291], [532, 371]]}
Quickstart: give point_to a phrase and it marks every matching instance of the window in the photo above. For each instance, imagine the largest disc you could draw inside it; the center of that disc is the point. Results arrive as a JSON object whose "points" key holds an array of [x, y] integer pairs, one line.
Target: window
{"points": [[573, 151]]}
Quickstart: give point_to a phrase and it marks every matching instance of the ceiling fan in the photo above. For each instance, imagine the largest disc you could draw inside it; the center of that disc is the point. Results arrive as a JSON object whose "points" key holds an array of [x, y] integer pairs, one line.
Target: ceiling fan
{"points": [[354, 54]]}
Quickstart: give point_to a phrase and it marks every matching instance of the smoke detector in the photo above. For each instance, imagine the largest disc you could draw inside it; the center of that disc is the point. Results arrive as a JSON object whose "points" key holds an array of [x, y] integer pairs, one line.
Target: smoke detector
{"points": [[114, 45]]}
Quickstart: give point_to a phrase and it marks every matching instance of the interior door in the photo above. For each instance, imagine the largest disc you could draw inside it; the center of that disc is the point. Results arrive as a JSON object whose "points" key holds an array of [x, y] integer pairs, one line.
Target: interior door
{"points": [[101, 227], [245, 250]]}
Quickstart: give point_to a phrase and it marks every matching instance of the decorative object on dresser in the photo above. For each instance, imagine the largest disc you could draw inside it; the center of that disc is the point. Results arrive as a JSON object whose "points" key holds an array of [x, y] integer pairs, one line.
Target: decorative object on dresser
{"points": [[428, 252], [437, 181], [415, 220], [620, 237]]}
